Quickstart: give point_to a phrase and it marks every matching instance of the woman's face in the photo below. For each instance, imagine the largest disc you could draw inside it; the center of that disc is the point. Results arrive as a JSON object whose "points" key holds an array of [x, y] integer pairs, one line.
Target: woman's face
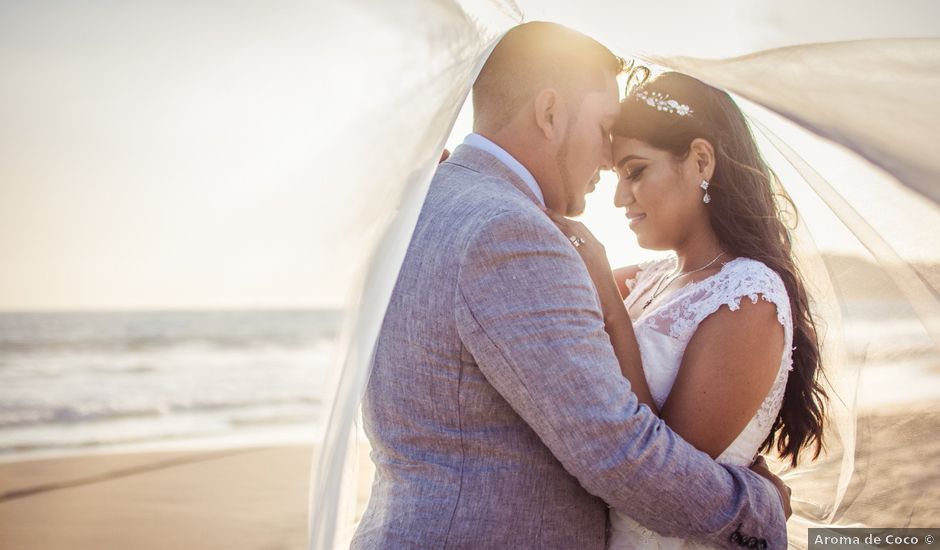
{"points": [[661, 194]]}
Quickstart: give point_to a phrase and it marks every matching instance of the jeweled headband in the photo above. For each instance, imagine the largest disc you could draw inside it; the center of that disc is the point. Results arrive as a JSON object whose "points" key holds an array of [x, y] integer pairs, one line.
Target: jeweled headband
{"points": [[662, 102]]}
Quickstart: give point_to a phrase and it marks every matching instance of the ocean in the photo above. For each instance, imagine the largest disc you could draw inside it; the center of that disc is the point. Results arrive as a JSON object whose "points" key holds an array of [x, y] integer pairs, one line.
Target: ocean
{"points": [[81, 382], [78, 383]]}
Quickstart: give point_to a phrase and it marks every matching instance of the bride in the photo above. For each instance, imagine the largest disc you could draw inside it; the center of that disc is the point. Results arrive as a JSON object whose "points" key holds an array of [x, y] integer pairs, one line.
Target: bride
{"points": [[730, 356]]}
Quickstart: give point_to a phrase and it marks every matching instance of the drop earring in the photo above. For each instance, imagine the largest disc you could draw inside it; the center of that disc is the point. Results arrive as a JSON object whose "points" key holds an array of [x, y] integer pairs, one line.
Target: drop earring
{"points": [[707, 198]]}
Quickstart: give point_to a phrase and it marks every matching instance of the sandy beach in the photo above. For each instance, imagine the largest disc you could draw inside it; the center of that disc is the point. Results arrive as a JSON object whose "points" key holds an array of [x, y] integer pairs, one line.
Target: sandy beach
{"points": [[256, 498], [896, 482], [229, 499]]}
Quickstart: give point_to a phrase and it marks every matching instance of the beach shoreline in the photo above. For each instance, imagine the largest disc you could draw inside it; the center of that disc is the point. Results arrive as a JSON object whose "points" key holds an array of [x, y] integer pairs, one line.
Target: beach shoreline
{"points": [[258, 497]]}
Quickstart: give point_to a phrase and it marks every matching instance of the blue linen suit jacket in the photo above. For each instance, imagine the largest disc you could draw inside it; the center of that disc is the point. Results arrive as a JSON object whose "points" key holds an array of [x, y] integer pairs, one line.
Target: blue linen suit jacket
{"points": [[496, 409]]}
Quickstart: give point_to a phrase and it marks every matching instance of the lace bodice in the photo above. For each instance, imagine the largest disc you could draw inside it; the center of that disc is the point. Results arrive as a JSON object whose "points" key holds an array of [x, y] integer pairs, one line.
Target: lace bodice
{"points": [[663, 334]]}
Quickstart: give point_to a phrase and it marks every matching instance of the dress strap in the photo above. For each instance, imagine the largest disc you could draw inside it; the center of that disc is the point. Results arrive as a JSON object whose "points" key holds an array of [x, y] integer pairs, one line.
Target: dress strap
{"points": [[745, 279], [739, 279]]}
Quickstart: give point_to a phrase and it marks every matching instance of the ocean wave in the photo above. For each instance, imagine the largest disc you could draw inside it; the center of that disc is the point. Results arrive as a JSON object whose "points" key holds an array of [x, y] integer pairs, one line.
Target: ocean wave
{"points": [[148, 344], [26, 447], [142, 331], [99, 412]]}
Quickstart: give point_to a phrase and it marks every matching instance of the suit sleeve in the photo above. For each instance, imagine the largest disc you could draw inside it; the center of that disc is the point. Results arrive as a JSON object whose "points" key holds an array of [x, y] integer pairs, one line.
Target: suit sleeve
{"points": [[527, 311]]}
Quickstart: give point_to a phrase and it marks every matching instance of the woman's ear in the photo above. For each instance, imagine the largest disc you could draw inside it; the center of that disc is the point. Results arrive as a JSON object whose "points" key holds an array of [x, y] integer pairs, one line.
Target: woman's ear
{"points": [[703, 154], [549, 113]]}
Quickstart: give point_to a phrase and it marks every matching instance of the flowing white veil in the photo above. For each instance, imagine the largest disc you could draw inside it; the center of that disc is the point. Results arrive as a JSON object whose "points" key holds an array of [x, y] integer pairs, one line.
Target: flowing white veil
{"points": [[441, 49], [878, 299], [848, 127]]}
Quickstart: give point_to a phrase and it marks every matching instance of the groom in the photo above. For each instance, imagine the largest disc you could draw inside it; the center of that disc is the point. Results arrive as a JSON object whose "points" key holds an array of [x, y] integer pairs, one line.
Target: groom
{"points": [[496, 409]]}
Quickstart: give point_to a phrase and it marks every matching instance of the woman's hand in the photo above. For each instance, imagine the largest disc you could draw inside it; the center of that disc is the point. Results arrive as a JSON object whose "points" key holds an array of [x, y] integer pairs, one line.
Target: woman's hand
{"points": [[759, 466], [595, 258], [591, 250]]}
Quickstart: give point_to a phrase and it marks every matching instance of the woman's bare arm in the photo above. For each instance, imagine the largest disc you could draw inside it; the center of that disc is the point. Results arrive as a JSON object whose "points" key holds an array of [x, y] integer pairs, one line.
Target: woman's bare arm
{"points": [[619, 328], [617, 322], [728, 368]]}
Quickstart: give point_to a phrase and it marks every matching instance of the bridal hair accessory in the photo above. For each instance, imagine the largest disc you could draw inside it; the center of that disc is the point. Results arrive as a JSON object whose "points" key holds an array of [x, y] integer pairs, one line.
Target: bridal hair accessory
{"points": [[672, 278], [707, 198], [637, 75], [663, 102], [576, 240]]}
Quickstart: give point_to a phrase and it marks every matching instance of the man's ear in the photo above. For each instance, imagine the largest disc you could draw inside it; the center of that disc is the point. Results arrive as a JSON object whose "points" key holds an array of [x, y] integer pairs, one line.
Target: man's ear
{"points": [[549, 113], [703, 154]]}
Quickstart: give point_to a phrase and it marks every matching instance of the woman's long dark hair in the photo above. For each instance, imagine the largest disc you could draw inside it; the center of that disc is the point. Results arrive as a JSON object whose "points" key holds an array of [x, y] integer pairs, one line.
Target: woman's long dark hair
{"points": [[748, 220]]}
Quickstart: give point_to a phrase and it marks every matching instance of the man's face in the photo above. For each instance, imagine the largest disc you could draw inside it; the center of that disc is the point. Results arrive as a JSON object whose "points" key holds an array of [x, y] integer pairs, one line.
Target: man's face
{"points": [[585, 149]]}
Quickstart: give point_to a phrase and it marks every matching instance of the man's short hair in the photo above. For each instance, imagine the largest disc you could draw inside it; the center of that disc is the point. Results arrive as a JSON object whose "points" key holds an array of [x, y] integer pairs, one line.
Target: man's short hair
{"points": [[534, 56]]}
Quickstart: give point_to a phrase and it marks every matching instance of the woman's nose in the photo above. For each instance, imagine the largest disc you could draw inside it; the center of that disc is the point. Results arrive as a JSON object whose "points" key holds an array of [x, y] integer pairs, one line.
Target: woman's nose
{"points": [[623, 196]]}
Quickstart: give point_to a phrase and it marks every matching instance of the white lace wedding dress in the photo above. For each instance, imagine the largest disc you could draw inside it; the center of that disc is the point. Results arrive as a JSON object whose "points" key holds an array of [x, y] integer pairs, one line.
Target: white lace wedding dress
{"points": [[663, 334]]}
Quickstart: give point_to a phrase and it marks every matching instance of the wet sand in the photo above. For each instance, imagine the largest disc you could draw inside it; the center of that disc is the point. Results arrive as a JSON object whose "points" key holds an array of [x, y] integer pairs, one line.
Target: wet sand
{"points": [[257, 498], [234, 499]]}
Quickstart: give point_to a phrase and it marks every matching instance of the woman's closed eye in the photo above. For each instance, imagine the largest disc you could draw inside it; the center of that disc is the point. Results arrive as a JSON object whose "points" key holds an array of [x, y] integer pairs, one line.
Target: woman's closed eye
{"points": [[633, 174]]}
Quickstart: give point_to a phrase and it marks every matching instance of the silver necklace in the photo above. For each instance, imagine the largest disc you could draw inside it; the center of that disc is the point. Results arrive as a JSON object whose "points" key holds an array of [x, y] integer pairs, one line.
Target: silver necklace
{"points": [[675, 276]]}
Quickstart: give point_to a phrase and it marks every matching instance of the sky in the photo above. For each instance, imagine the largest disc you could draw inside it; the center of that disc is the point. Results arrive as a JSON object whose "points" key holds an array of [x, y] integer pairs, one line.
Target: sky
{"points": [[165, 155]]}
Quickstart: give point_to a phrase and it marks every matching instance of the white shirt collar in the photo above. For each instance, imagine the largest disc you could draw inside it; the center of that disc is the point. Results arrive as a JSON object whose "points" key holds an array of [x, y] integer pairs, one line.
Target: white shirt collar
{"points": [[480, 142]]}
